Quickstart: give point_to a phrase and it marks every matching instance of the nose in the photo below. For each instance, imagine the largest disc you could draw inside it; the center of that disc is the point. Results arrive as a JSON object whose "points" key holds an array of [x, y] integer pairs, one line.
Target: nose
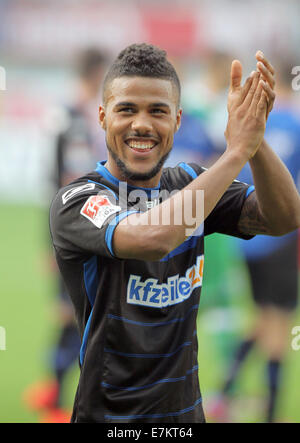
{"points": [[141, 124]]}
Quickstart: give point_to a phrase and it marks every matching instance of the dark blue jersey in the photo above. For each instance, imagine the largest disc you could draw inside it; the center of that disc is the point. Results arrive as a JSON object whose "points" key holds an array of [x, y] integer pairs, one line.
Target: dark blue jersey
{"points": [[137, 319]]}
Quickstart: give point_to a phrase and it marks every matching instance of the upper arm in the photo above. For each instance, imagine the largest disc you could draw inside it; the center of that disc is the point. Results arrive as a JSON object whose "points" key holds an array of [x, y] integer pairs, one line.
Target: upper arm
{"points": [[96, 222], [83, 221], [134, 240], [251, 221]]}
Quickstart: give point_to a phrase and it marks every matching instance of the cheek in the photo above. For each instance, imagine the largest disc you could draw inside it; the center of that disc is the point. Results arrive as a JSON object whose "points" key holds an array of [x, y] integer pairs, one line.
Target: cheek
{"points": [[170, 141], [114, 130], [169, 135], [166, 130]]}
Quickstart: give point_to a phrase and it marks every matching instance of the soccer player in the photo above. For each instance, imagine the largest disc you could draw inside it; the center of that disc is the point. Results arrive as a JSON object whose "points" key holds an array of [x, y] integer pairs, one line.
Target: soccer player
{"points": [[133, 273]]}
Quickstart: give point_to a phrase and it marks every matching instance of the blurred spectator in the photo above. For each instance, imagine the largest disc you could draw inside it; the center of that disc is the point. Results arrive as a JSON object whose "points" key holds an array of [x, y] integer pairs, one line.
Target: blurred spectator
{"points": [[191, 143], [78, 147], [207, 99], [272, 263], [81, 143]]}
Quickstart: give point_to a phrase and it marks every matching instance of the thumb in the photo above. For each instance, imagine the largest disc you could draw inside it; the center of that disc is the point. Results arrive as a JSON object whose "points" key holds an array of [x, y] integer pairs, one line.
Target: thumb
{"points": [[236, 75]]}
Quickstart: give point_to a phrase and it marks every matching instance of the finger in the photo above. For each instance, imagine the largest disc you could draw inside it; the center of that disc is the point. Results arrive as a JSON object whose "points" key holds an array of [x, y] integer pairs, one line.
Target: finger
{"points": [[256, 98], [270, 95], [245, 89], [249, 97], [267, 75], [235, 75], [262, 106], [261, 57]]}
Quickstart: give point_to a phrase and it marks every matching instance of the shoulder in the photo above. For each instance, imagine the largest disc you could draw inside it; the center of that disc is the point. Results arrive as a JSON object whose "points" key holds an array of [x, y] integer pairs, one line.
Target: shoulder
{"points": [[78, 192], [79, 186], [80, 214]]}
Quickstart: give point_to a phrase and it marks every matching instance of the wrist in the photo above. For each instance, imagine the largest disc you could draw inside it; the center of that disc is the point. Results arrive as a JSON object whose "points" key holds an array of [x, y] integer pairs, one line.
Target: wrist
{"points": [[260, 151], [238, 156]]}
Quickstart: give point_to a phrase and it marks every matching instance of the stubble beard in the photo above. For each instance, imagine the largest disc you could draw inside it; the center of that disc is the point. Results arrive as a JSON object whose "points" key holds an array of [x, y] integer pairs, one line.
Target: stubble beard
{"points": [[127, 174]]}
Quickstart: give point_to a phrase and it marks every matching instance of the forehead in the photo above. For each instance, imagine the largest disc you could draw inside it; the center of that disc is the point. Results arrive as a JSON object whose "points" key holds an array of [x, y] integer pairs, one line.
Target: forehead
{"points": [[141, 90]]}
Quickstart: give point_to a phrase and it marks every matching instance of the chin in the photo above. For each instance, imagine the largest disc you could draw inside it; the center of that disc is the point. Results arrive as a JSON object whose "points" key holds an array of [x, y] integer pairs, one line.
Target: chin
{"points": [[139, 171]]}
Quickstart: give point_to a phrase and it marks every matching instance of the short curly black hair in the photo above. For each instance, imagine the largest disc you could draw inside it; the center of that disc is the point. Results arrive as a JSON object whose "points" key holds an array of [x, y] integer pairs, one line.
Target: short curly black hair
{"points": [[142, 60]]}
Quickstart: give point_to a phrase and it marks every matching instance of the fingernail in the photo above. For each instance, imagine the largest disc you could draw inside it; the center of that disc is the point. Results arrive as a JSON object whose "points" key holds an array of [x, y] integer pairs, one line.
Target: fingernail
{"points": [[261, 54]]}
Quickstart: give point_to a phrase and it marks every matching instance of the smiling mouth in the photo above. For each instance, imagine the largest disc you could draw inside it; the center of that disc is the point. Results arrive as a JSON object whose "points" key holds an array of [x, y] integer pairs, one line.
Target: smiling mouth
{"points": [[141, 145]]}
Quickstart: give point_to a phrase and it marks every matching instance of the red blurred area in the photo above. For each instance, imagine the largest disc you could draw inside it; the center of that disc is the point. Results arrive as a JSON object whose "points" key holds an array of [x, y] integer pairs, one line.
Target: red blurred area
{"points": [[177, 30]]}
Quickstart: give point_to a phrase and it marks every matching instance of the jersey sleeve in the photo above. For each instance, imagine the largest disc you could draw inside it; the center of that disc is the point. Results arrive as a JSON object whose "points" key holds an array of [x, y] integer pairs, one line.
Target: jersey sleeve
{"points": [[225, 216], [83, 218]]}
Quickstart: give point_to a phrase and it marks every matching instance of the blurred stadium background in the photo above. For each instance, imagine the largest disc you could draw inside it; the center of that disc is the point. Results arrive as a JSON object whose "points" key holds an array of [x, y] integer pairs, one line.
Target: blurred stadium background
{"points": [[38, 43]]}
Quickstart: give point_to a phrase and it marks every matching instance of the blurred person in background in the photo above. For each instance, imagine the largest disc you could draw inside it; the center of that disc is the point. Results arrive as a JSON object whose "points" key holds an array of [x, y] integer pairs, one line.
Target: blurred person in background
{"points": [[193, 138], [78, 146], [272, 264], [208, 98]]}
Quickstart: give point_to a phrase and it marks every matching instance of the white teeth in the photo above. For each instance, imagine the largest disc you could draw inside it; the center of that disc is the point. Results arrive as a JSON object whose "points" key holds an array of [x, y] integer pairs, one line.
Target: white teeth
{"points": [[138, 145]]}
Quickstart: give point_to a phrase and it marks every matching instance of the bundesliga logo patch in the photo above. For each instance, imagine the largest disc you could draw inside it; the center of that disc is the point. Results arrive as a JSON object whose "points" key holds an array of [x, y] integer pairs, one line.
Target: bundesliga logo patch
{"points": [[176, 290], [98, 208]]}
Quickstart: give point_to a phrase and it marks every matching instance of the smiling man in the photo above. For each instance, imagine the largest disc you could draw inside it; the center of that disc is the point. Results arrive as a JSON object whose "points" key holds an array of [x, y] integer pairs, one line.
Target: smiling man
{"points": [[135, 283], [153, 98]]}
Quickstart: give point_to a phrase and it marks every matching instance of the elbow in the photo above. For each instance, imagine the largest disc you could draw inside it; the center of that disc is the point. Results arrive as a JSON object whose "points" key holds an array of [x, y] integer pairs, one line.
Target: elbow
{"points": [[155, 251], [155, 255], [279, 232], [294, 225], [155, 246], [294, 218], [291, 225]]}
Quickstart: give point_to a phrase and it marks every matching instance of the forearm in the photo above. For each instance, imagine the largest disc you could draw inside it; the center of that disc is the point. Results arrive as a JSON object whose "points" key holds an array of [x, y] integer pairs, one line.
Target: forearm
{"points": [[277, 195], [154, 231]]}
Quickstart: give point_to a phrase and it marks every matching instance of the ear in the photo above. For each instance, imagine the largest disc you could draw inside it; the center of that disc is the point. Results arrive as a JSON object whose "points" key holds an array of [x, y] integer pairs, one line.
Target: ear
{"points": [[102, 118], [178, 119]]}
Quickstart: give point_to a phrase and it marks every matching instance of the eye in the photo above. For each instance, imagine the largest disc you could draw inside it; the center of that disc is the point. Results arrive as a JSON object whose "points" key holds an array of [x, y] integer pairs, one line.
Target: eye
{"points": [[158, 111], [127, 110]]}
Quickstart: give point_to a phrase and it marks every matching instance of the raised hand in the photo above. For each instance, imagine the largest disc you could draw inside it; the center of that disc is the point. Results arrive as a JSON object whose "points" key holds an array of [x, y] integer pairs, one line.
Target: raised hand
{"points": [[267, 72], [248, 107]]}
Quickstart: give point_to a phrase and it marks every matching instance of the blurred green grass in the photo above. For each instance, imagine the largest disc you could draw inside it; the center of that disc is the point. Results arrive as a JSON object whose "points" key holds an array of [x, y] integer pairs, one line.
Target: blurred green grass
{"points": [[27, 312]]}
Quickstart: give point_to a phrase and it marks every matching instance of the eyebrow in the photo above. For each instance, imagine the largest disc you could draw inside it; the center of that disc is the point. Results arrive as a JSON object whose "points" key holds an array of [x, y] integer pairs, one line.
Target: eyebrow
{"points": [[159, 105], [152, 105], [125, 104]]}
